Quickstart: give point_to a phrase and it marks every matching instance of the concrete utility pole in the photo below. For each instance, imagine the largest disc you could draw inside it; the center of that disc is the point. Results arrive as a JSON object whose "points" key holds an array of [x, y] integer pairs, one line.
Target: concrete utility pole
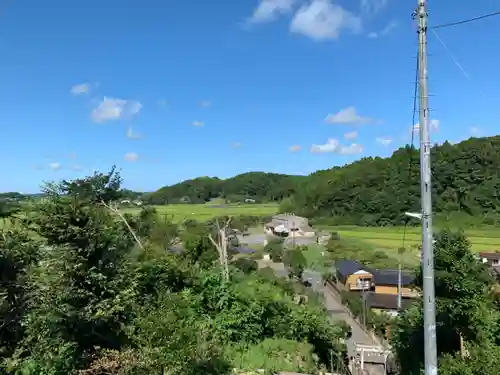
{"points": [[426, 198]]}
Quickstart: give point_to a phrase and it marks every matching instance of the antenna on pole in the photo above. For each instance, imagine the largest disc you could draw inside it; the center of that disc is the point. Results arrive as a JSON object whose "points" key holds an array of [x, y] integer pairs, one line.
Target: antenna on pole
{"points": [[426, 198]]}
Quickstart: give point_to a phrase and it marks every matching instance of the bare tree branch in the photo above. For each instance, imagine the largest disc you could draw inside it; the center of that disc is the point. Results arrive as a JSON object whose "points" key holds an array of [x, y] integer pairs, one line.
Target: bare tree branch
{"points": [[117, 211]]}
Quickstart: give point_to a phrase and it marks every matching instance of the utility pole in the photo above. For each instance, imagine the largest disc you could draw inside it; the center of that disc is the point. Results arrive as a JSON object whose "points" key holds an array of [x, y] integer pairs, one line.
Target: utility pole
{"points": [[400, 286], [426, 198]]}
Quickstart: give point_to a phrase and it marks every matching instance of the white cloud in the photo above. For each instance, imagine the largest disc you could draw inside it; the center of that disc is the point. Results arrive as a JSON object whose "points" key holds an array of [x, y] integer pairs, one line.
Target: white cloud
{"points": [[55, 166], [348, 116], [131, 156], [236, 145], [372, 6], [322, 20], [351, 135], [132, 135], [434, 126], [269, 10], [112, 109], [475, 130], [76, 167], [386, 30], [198, 123], [295, 148], [383, 141], [83, 88], [205, 103], [334, 146]]}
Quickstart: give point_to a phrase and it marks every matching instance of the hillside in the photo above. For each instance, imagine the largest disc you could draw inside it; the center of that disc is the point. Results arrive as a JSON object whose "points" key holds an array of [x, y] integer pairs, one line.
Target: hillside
{"points": [[371, 191], [259, 186], [377, 191]]}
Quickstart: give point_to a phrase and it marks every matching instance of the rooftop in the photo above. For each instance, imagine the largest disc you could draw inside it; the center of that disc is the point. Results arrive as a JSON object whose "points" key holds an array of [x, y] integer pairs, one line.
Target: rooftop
{"points": [[390, 277]]}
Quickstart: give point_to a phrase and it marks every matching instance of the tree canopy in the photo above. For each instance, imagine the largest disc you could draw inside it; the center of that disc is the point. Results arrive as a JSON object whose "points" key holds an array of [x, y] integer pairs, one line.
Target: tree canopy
{"points": [[87, 291]]}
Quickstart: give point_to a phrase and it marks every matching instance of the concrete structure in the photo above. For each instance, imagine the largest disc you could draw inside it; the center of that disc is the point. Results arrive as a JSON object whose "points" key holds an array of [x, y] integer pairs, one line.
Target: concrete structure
{"points": [[286, 225]]}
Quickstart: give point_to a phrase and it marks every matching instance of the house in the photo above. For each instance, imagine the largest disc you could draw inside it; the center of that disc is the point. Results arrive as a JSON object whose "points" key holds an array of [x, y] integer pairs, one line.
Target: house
{"points": [[353, 276], [386, 282], [387, 303], [285, 225], [492, 259]]}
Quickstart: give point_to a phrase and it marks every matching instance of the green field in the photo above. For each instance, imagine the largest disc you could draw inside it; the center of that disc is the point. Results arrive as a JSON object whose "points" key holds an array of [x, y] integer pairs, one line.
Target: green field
{"points": [[391, 238], [204, 212]]}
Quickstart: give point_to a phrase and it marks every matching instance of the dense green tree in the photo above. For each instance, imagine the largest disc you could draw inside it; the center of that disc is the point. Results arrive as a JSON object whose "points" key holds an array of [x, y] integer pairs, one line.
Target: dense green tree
{"points": [[18, 252], [275, 249], [245, 265], [295, 263], [81, 297], [464, 305]]}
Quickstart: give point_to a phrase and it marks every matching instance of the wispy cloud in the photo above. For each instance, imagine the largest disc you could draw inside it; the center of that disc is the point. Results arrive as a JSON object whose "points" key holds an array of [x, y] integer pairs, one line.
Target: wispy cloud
{"points": [[269, 10], [55, 166], [205, 103], [372, 6], [76, 167], [475, 130], [295, 148], [322, 20], [80, 89], [348, 115], [236, 145], [112, 109], [384, 141], [386, 30], [162, 103], [351, 135], [198, 123], [131, 156], [334, 146], [133, 135]]}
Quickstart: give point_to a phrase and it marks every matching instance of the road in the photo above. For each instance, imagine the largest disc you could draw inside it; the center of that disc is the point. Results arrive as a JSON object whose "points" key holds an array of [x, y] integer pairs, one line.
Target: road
{"points": [[338, 312]]}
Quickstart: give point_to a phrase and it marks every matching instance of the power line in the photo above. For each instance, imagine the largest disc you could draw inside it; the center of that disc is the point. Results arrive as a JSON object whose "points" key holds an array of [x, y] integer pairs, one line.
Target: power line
{"points": [[442, 26]]}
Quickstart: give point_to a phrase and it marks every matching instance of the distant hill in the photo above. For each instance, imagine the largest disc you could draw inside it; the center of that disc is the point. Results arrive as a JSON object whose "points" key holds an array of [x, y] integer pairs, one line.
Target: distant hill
{"points": [[258, 186], [371, 191], [377, 191]]}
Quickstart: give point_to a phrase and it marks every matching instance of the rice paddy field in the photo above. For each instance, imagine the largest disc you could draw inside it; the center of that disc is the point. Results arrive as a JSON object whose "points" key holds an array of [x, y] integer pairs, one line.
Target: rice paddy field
{"points": [[391, 238], [204, 212]]}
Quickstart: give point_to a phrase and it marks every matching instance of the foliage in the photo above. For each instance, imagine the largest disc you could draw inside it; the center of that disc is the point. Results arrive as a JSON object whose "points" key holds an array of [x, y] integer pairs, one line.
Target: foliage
{"points": [[80, 297], [259, 186], [274, 354], [245, 265], [17, 254], [295, 262], [275, 249], [340, 249], [377, 191], [464, 305]]}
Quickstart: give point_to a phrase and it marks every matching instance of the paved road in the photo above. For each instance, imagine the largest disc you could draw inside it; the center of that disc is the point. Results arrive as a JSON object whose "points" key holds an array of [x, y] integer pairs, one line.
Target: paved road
{"points": [[337, 312]]}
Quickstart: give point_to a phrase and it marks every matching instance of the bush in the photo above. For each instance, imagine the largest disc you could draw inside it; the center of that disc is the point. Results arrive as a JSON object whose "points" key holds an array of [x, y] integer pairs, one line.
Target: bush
{"points": [[246, 265]]}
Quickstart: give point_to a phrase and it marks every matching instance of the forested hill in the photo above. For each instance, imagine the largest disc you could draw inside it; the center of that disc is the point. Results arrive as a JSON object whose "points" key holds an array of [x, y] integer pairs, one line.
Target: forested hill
{"points": [[377, 191], [259, 186], [371, 191]]}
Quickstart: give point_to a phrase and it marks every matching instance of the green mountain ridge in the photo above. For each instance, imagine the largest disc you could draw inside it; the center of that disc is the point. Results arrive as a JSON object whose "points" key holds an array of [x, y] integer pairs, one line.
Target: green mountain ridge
{"points": [[371, 191]]}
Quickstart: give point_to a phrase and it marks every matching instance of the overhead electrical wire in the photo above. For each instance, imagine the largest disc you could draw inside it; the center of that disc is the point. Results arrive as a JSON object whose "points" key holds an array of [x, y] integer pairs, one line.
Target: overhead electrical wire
{"points": [[410, 152], [444, 25]]}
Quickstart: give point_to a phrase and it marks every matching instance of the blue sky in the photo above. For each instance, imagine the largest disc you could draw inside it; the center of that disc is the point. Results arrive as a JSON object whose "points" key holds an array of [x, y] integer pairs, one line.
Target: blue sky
{"points": [[170, 90]]}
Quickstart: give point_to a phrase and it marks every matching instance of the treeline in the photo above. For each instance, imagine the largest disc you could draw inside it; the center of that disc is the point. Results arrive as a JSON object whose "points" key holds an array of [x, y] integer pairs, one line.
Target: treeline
{"points": [[256, 186], [87, 291], [377, 191]]}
